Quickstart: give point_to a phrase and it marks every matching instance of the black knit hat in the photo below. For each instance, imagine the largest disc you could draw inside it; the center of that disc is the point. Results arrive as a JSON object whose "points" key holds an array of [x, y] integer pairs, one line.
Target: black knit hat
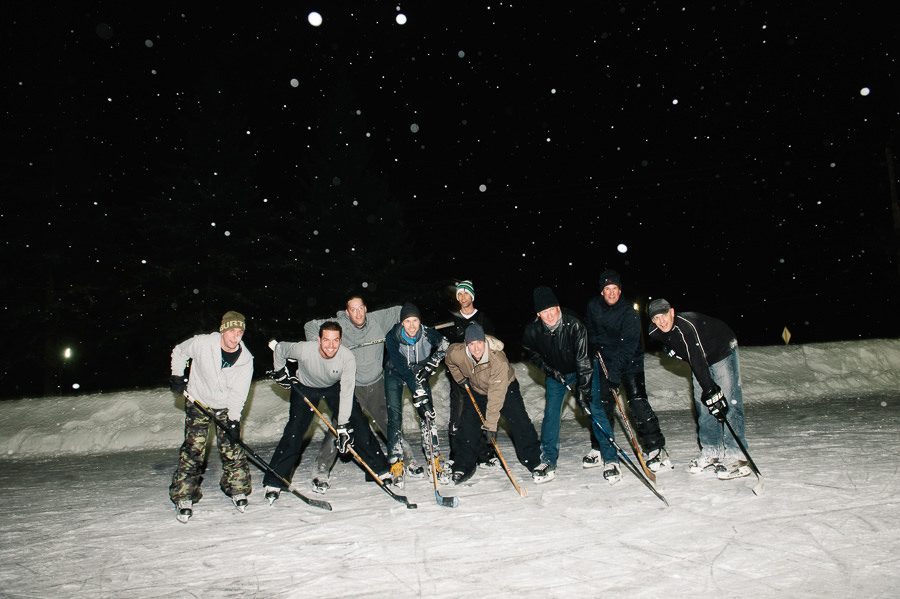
{"points": [[544, 298], [408, 310], [610, 277], [658, 306], [474, 332]]}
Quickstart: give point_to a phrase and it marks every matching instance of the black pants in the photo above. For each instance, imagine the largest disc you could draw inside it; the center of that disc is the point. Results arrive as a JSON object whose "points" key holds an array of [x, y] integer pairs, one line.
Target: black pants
{"points": [[521, 430], [646, 424], [287, 454]]}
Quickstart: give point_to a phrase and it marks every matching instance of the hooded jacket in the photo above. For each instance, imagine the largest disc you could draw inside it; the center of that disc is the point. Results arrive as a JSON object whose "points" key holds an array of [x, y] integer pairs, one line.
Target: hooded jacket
{"points": [[407, 359], [218, 388], [490, 376]]}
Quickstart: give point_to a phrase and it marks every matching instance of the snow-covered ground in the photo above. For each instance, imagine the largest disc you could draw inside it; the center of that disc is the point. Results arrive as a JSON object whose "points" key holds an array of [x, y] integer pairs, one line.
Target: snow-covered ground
{"points": [[87, 512]]}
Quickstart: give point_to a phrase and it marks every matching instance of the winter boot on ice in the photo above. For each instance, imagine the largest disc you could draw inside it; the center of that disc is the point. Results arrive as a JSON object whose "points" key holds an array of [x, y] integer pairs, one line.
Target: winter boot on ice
{"points": [[397, 472], [272, 494], [440, 467], [658, 459], [736, 469], [493, 462], [184, 510], [543, 473], [413, 470], [592, 459], [703, 463], [320, 484], [240, 501], [461, 477], [612, 474]]}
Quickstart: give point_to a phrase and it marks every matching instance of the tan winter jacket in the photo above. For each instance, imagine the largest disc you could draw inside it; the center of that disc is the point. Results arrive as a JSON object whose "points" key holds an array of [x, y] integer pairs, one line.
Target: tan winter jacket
{"points": [[490, 376]]}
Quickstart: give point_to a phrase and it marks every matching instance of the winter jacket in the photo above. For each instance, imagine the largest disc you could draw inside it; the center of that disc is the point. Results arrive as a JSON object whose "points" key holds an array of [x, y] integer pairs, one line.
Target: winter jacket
{"points": [[369, 358], [700, 340], [615, 331], [214, 386], [490, 376], [457, 333], [408, 359], [564, 349]]}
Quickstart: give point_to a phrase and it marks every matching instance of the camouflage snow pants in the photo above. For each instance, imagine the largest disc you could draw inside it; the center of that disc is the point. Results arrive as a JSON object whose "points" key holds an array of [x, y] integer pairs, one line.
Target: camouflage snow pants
{"points": [[191, 464]]}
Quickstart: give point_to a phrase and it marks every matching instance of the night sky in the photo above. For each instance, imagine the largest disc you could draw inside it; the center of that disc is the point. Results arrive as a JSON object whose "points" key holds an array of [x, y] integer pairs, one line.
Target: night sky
{"points": [[167, 163]]}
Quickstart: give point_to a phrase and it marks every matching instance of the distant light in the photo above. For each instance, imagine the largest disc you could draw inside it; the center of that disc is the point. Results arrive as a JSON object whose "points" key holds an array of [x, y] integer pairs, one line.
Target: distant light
{"points": [[482, 188], [675, 101], [864, 91], [314, 18], [622, 248], [365, 285], [76, 386], [636, 307], [401, 19], [295, 83], [67, 353], [227, 233]]}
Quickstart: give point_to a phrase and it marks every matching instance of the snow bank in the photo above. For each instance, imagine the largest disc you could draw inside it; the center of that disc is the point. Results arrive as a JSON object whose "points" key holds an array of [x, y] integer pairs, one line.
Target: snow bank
{"points": [[154, 418]]}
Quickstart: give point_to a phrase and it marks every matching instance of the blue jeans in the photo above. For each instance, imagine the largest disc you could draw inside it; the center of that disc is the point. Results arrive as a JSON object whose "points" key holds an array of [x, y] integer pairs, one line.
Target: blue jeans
{"points": [[715, 439], [598, 411], [554, 393], [393, 396]]}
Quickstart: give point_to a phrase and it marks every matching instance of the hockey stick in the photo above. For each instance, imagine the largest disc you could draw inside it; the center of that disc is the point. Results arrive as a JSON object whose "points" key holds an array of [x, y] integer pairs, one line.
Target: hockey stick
{"points": [[522, 490], [627, 425], [260, 463], [451, 501], [628, 463], [359, 460], [760, 486]]}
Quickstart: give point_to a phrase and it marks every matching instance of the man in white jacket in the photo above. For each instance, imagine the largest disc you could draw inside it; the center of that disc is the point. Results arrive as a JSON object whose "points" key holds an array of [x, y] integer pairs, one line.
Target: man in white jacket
{"points": [[221, 369]]}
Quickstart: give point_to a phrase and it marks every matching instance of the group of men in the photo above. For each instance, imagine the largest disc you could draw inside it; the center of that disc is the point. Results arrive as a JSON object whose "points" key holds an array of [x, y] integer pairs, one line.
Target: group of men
{"points": [[358, 362]]}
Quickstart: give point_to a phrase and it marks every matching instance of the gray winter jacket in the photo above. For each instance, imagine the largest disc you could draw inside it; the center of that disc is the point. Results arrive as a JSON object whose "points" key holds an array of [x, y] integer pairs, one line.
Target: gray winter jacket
{"points": [[216, 387]]}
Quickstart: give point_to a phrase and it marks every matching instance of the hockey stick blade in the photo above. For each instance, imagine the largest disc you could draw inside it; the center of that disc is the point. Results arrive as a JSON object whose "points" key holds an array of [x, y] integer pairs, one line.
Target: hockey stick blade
{"points": [[451, 501], [760, 486]]}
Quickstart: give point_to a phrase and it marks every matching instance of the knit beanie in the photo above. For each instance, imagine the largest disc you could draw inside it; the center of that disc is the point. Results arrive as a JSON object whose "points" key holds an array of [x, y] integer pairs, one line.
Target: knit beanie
{"points": [[474, 332], [467, 287], [408, 310], [544, 298], [610, 277], [658, 306], [233, 320]]}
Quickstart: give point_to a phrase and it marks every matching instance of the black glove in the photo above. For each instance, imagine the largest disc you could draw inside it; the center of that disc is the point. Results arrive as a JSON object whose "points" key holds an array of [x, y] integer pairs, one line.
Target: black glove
{"points": [[233, 431], [715, 402], [583, 399], [282, 377], [177, 383], [556, 375], [344, 439], [488, 437], [423, 404]]}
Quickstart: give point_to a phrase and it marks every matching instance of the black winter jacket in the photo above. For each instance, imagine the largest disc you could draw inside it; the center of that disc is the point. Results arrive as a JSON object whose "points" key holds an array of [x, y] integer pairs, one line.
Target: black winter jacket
{"points": [[616, 332], [700, 340], [564, 350]]}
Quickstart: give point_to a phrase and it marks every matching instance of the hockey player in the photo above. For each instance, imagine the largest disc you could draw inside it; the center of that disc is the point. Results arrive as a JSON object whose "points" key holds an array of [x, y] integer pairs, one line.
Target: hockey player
{"points": [[221, 369]]}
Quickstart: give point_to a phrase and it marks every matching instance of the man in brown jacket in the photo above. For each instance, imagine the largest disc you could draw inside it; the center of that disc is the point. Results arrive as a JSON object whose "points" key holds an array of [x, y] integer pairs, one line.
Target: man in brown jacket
{"points": [[481, 364]]}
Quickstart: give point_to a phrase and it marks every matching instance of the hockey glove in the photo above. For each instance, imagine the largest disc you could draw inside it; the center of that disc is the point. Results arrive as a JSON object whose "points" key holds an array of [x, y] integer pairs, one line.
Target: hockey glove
{"points": [[423, 404], [177, 383], [233, 431], [282, 377], [344, 439], [488, 437], [556, 376], [715, 402]]}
